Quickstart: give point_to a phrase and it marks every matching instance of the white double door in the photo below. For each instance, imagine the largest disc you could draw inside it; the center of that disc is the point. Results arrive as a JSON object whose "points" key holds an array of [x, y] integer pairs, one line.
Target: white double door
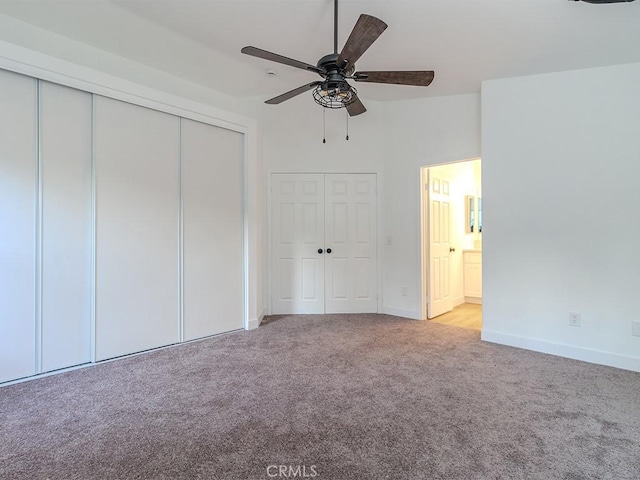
{"points": [[324, 243]]}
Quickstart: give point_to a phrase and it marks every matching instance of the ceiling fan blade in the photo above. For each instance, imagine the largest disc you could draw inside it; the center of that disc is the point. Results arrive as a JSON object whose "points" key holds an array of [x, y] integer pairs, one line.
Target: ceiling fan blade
{"points": [[418, 78], [366, 31], [274, 57], [292, 93], [356, 108]]}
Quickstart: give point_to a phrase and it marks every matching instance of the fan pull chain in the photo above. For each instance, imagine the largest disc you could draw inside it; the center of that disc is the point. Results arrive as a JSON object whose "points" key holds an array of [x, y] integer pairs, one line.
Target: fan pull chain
{"points": [[347, 126], [324, 125]]}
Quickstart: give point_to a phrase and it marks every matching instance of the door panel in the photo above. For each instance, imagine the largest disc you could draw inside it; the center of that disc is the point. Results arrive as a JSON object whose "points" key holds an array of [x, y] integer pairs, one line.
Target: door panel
{"points": [[297, 234], [137, 169], [65, 153], [351, 234], [18, 127], [339, 273], [212, 205], [440, 300], [309, 275]]}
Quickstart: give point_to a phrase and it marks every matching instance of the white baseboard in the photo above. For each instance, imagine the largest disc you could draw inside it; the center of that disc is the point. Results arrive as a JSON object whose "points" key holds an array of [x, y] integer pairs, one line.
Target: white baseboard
{"points": [[476, 300], [401, 312], [562, 350], [458, 301], [254, 323]]}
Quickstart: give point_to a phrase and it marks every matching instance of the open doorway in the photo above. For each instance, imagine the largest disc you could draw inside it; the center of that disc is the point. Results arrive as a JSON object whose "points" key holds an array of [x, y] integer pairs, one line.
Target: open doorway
{"points": [[451, 243]]}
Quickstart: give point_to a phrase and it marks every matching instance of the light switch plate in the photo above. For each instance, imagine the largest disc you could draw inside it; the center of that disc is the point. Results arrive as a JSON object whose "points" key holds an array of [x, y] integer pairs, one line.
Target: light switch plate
{"points": [[635, 329]]}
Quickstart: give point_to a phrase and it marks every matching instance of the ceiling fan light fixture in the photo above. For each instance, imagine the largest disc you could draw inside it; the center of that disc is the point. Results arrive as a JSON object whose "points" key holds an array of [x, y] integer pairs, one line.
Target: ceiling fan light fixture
{"points": [[334, 96], [336, 68]]}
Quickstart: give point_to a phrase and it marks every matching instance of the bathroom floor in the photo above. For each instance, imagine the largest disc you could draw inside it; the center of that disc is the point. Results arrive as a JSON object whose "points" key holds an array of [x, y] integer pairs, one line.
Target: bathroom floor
{"points": [[467, 315]]}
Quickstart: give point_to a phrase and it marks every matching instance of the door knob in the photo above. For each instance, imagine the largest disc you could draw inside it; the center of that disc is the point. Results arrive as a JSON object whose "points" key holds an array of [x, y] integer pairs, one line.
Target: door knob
{"points": [[319, 250], [452, 249], [328, 250]]}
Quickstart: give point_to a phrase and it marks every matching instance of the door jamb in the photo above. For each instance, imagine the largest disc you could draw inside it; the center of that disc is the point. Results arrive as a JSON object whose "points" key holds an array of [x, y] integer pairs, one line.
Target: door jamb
{"points": [[424, 232], [268, 291]]}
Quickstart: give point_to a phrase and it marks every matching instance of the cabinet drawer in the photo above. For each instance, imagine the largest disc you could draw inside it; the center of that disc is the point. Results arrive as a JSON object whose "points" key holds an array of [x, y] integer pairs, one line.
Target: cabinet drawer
{"points": [[472, 257]]}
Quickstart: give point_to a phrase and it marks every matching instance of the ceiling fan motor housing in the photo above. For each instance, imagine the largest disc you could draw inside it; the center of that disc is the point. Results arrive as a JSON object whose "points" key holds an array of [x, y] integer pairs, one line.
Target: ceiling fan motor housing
{"points": [[329, 64], [334, 92]]}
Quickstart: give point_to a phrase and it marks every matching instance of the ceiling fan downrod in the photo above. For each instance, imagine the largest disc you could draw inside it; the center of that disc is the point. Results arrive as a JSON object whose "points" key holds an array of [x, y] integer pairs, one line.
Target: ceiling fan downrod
{"points": [[335, 26]]}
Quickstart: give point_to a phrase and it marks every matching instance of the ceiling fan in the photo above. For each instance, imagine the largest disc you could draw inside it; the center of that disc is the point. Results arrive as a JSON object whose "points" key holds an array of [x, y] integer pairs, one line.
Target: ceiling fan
{"points": [[333, 91]]}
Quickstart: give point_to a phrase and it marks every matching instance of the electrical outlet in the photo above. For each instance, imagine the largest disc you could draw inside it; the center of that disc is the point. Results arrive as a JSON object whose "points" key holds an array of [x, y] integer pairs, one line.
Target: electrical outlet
{"points": [[574, 319], [405, 291], [635, 329], [389, 240]]}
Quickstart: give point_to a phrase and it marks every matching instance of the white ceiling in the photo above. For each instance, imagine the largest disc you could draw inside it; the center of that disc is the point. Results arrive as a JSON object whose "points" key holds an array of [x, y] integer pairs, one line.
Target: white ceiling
{"points": [[464, 41]]}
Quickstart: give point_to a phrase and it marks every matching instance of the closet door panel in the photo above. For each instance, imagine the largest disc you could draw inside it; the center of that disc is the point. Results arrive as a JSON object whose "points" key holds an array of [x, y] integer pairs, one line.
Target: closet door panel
{"points": [[298, 252], [136, 157], [212, 192], [351, 233], [65, 155], [18, 155]]}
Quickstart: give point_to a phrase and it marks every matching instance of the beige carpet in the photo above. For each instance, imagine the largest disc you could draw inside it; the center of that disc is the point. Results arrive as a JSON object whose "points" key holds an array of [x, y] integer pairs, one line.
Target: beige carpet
{"points": [[334, 397]]}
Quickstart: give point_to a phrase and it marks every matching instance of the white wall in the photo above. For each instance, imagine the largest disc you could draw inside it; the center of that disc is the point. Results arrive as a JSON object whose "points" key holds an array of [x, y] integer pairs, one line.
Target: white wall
{"points": [[293, 131], [393, 139], [16, 32], [418, 133], [290, 140], [560, 190]]}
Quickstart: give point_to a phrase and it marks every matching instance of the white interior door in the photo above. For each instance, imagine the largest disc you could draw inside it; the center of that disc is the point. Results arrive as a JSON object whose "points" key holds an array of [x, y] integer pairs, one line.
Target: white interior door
{"points": [[323, 243], [440, 300], [351, 247], [297, 235]]}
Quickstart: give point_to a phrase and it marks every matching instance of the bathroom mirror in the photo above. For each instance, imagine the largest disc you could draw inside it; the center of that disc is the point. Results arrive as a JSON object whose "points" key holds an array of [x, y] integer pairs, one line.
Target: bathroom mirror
{"points": [[473, 214]]}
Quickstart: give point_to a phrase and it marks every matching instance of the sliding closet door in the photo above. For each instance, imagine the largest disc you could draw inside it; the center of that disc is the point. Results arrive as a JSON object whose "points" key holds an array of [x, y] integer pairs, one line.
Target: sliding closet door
{"points": [[18, 156], [65, 168], [212, 189], [137, 156]]}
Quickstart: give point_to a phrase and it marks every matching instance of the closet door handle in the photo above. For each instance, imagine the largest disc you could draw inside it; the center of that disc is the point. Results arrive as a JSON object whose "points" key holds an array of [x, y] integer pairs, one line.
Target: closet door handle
{"points": [[320, 250], [328, 250]]}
